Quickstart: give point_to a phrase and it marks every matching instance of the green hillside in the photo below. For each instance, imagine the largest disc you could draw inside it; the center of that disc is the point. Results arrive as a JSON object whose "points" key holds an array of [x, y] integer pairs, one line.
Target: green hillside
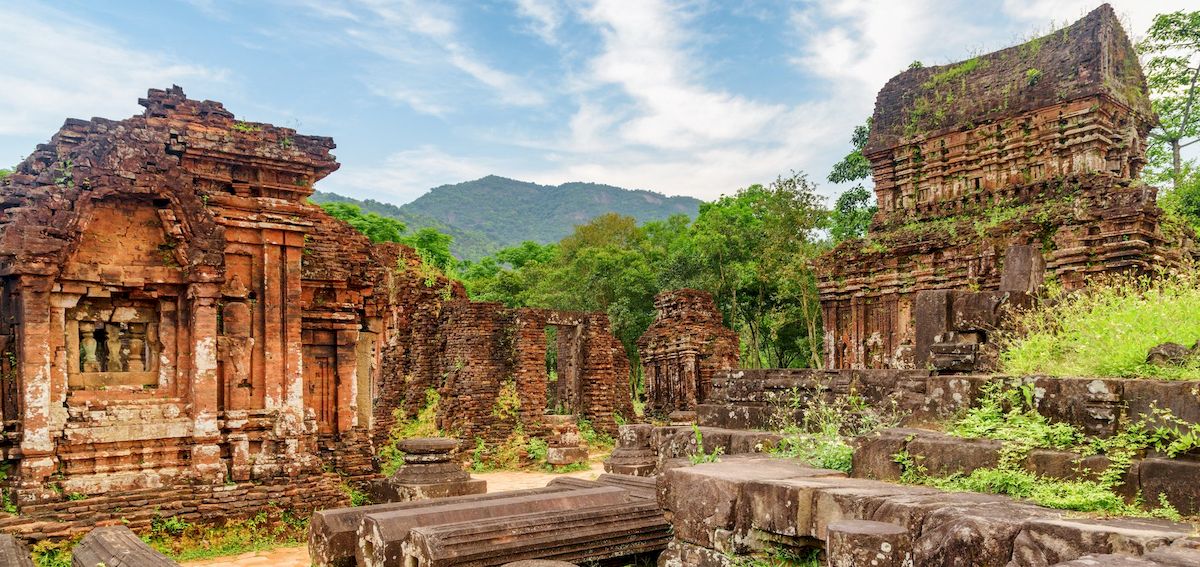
{"points": [[493, 212]]}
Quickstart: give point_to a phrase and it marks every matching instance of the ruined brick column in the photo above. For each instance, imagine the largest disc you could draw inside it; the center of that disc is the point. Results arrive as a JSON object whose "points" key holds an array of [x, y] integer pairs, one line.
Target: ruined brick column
{"points": [[33, 352], [206, 454]]}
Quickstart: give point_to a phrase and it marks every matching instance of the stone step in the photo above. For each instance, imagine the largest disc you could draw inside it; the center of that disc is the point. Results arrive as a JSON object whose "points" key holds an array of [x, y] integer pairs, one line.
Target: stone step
{"points": [[583, 535], [116, 546], [332, 540], [382, 535], [943, 455]]}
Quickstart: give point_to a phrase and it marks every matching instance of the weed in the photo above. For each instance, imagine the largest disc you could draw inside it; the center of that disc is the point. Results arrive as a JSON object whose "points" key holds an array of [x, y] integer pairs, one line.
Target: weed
{"points": [[356, 496], [245, 127], [700, 456], [424, 425], [821, 438], [1107, 328], [268, 529]]}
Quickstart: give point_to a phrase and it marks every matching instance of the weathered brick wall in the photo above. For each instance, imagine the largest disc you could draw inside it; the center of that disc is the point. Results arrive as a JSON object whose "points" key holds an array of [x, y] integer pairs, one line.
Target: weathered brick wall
{"points": [[190, 502], [488, 365]]}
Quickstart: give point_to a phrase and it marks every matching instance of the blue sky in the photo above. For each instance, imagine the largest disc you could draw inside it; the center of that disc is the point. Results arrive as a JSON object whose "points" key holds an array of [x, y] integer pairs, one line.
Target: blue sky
{"points": [[694, 97]]}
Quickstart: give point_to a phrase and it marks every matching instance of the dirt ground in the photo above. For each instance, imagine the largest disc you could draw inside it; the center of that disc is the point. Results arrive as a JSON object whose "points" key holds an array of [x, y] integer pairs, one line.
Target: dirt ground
{"points": [[298, 556]]}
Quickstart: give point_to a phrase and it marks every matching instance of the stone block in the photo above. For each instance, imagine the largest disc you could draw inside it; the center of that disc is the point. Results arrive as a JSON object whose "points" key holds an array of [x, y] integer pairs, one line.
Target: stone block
{"points": [[874, 453], [683, 554], [1054, 540], [116, 546], [704, 498], [854, 543], [579, 535], [383, 535], [1174, 479], [331, 534], [943, 455], [559, 456]]}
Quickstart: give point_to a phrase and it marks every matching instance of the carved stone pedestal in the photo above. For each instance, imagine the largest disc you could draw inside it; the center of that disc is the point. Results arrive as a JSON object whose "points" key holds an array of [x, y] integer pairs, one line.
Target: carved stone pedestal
{"points": [[634, 454], [565, 443], [428, 472]]}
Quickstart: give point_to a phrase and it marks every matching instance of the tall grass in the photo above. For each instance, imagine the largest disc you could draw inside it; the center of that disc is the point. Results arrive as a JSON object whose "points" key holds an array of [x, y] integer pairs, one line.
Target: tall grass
{"points": [[1107, 329]]}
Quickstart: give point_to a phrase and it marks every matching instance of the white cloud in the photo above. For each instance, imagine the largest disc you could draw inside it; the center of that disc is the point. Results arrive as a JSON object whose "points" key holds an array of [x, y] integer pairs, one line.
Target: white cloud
{"points": [[545, 17], [56, 66], [405, 175], [421, 38]]}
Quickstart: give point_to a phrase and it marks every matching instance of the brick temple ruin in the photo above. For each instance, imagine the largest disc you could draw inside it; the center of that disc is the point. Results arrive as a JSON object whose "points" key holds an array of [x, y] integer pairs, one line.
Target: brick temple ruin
{"points": [[991, 175], [684, 347], [178, 323]]}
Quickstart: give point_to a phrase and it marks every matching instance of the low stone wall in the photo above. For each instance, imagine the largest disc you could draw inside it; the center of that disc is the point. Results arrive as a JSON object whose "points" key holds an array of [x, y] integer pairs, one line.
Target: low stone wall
{"points": [[749, 505], [749, 399], [1151, 477], [198, 504]]}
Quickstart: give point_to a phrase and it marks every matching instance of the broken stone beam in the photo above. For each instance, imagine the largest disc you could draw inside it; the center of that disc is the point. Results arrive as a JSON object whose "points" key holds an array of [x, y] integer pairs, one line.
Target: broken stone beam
{"points": [[382, 534], [116, 546], [577, 535], [860, 542], [332, 539], [13, 552], [640, 487], [540, 563]]}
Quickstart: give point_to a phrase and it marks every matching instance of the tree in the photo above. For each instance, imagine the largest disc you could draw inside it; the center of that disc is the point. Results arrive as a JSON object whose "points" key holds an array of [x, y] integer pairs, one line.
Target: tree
{"points": [[1173, 75], [432, 246], [4, 173], [375, 227], [851, 215]]}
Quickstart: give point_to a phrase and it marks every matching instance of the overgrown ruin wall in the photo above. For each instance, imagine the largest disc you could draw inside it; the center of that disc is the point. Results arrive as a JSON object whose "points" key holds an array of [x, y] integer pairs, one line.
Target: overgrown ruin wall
{"points": [[175, 315], [488, 367], [684, 347], [1035, 147]]}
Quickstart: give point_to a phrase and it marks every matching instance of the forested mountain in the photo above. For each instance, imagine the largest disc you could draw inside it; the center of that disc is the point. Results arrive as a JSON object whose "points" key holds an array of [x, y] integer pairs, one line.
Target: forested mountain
{"points": [[494, 212]]}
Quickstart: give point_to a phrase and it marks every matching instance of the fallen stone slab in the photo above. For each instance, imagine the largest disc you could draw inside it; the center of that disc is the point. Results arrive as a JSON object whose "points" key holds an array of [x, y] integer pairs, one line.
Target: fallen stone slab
{"points": [[13, 553], [683, 554], [702, 501], [853, 543], [539, 563], [332, 539], [581, 535], [1049, 541], [116, 546], [382, 535]]}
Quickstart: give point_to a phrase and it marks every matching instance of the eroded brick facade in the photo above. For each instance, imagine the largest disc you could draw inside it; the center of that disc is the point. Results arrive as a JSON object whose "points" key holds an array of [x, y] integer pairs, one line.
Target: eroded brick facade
{"points": [[684, 347], [487, 364], [1037, 147], [174, 313]]}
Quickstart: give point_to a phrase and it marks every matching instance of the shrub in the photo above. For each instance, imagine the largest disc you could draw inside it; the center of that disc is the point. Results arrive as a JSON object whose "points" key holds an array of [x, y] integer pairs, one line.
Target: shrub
{"points": [[700, 456], [1107, 328]]}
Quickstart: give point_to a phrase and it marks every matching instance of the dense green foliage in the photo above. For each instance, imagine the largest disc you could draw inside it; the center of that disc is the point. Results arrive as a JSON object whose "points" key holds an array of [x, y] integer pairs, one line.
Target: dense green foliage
{"points": [[432, 245], [466, 243], [852, 212], [1107, 329], [4, 173], [751, 250], [492, 213]]}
